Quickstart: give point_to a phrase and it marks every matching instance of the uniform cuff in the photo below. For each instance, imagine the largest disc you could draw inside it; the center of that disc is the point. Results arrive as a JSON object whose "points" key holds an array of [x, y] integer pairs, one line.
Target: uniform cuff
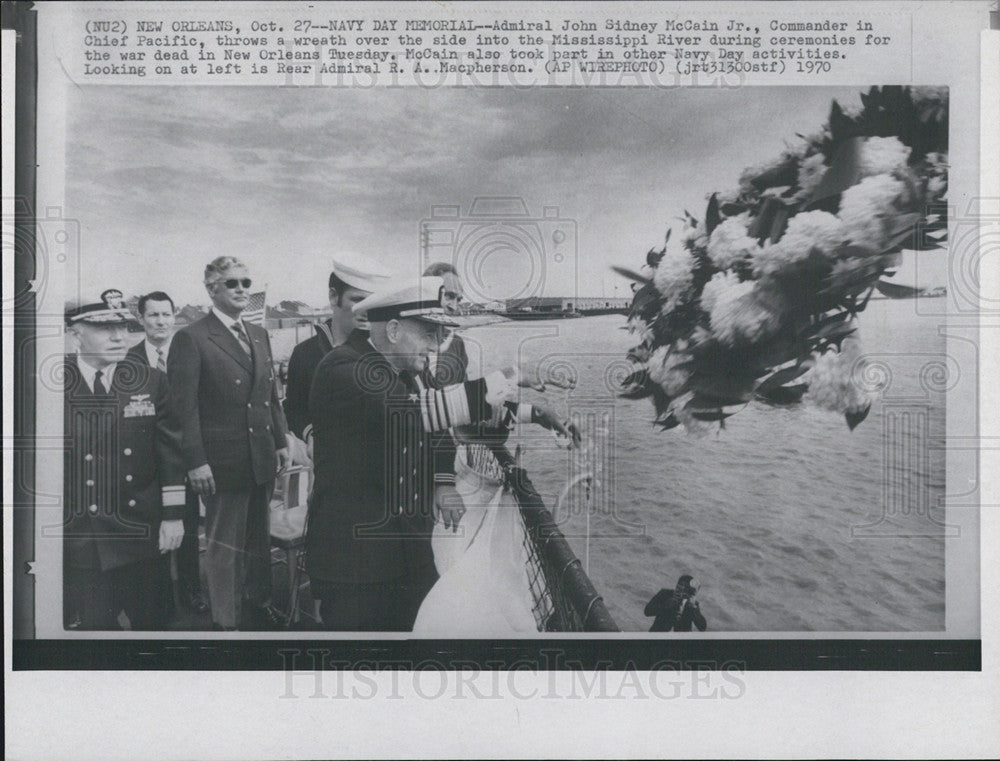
{"points": [[444, 479], [307, 432], [524, 411], [173, 496]]}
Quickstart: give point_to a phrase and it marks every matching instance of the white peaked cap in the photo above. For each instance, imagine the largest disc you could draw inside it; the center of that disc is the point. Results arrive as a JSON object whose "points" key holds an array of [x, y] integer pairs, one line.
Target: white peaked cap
{"points": [[415, 298], [360, 271]]}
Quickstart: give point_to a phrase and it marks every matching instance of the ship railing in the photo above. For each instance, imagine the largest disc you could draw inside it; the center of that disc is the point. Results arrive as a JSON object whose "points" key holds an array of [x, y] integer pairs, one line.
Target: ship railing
{"points": [[565, 598]]}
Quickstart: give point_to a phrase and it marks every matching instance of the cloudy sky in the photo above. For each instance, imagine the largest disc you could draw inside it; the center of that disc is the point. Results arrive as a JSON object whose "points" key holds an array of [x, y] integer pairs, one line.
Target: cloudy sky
{"points": [[163, 179]]}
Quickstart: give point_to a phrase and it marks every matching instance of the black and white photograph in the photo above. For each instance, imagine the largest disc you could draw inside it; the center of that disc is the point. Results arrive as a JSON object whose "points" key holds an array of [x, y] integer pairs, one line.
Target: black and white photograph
{"points": [[616, 373], [735, 391]]}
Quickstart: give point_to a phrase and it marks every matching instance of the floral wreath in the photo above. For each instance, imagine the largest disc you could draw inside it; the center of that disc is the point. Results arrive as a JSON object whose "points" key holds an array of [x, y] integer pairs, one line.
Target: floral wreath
{"points": [[760, 301]]}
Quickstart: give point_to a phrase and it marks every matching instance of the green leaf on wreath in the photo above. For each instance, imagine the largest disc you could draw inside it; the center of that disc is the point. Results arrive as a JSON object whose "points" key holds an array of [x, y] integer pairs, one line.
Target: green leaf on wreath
{"points": [[904, 233], [779, 224], [896, 290], [784, 174], [844, 171], [854, 419], [631, 274], [783, 395], [781, 377], [831, 320], [712, 216], [711, 416], [760, 226], [667, 423]]}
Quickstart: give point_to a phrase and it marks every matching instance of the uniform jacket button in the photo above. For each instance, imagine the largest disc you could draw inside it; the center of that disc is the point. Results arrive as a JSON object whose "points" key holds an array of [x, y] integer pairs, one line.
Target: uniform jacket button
{"points": [[249, 406], [267, 404], [88, 457], [90, 482], [238, 381], [93, 509], [128, 477], [131, 503], [127, 452]]}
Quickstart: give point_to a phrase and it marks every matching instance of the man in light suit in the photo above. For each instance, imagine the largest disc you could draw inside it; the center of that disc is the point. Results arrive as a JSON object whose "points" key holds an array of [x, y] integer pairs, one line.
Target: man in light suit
{"points": [[123, 476], [157, 314], [233, 439]]}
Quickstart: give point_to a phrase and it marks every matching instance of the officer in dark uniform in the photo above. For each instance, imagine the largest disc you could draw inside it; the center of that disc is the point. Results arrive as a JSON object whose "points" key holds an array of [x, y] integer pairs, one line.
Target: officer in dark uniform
{"points": [[123, 476], [368, 546], [352, 279], [157, 315]]}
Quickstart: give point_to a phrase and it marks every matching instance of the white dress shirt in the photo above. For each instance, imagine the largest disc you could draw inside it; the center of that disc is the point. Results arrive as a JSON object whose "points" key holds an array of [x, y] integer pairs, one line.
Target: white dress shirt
{"points": [[228, 321], [153, 356], [88, 372]]}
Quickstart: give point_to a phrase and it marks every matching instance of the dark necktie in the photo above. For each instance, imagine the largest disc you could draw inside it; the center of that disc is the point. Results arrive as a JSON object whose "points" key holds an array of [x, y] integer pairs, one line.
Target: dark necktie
{"points": [[161, 362], [99, 389], [242, 337]]}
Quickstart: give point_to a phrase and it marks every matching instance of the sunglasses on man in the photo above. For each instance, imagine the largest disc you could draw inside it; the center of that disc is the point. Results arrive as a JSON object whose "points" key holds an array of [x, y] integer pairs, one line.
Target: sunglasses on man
{"points": [[233, 283]]}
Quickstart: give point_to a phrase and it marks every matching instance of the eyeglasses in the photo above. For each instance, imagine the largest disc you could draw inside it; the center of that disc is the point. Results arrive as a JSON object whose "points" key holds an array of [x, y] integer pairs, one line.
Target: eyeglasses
{"points": [[232, 283]]}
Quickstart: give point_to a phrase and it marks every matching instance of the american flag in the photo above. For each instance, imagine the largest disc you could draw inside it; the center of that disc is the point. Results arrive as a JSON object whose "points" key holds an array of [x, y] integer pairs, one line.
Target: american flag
{"points": [[254, 312]]}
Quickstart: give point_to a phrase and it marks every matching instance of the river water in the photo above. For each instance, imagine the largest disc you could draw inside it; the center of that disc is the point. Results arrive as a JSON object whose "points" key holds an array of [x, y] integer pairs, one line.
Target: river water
{"points": [[789, 521]]}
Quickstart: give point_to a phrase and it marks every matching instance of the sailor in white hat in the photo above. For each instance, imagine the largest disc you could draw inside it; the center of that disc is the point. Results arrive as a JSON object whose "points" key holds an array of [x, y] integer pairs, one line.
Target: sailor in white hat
{"points": [[352, 278]]}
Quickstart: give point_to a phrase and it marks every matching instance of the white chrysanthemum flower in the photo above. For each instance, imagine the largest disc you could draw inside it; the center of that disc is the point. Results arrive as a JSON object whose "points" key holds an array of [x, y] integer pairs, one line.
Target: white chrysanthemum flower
{"points": [[937, 160], [851, 110], [811, 173], [730, 243], [691, 424], [865, 207], [674, 277], [694, 236], [835, 380], [730, 196], [738, 312], [806, 231], [797, 147], [753, 172], [663, 371], [882, 155], [928, 94]]}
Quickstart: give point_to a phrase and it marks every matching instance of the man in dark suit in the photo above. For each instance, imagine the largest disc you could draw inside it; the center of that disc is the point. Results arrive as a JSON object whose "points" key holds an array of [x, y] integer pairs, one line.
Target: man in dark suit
{"points": [[352, 279], [676, 609], [123, 476], [157, 314], [234, 443]]}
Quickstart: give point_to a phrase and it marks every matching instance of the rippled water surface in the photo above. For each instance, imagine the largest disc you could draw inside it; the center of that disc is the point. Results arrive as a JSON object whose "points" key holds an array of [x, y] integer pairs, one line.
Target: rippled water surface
{"points": [[790, 521]]}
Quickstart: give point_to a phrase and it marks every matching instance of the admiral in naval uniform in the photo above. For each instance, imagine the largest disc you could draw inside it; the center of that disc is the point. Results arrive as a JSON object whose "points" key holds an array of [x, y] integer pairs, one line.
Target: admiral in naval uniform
{"points": [[368, 545], [123, 476]]}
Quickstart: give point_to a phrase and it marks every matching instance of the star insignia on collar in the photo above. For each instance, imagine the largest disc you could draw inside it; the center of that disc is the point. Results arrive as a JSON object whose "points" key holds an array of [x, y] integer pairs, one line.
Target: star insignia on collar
{"points": [[414, 397]]}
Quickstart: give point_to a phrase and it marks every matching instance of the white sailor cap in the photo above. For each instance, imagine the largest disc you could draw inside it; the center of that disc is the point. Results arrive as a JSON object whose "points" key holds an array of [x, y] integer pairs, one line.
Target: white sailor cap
{"points": [[108, 310], [358, 271], [415, 298]]}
